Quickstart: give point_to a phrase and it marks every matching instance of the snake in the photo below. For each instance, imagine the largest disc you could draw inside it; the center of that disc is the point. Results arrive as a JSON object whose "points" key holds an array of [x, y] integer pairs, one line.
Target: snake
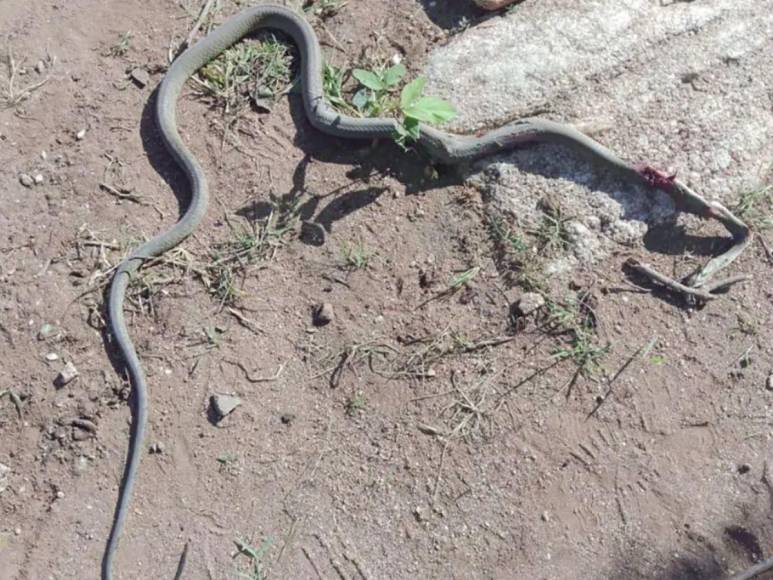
{"points": [[442, 148]]}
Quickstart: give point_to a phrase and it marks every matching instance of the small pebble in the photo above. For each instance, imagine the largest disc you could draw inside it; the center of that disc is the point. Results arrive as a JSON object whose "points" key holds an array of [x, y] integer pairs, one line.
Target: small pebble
{"points": [[52, 356], [80, 134], [66, 375], [156, 448], [26, 180], [744, 468], [322, 314], [287, 418], [80, 434], [43, 155], [40, 67], [46, 331], [17, 531], [38, 178], [769, 382], [140, 76], [59, 494], [4, 472], [223, 405], [528, 303]]}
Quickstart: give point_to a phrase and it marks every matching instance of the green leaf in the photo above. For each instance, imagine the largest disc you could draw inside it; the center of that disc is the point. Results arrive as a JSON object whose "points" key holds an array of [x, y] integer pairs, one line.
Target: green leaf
{"points": [[411, 127], [369, 79], [430, 110], [361, 99], [411, 92], [393, 74]]}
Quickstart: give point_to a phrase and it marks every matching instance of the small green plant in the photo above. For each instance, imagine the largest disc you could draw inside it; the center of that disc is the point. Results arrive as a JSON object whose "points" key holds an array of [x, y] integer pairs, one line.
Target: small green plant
{"points": [[576, 320], [121, 47], [551, 234], [418, 108], [378, 97], [756, 208], [323, 8], [333, 80], [255, 241], [502, 234], [657, 359], [463, 278], [255, 556], [228, 463], [357, 256], [355, 403]]}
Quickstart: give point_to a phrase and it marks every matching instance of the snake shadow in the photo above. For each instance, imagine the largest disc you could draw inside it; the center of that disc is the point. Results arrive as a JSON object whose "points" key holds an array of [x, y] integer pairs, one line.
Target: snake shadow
{"points": [[703, 555], [457, 15], [165, 166], [319, 212]]}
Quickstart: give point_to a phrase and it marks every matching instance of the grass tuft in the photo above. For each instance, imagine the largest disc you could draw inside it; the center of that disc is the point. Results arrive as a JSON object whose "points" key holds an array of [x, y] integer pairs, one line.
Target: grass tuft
{"points": [[250, 71]]}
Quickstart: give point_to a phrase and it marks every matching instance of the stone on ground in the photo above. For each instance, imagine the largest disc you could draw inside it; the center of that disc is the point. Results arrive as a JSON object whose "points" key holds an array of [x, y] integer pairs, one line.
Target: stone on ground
{"points": [[683, 86]]}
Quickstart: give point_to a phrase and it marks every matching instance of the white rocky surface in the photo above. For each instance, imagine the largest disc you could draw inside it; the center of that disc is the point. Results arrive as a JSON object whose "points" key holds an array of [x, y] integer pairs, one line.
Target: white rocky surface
{"points": [[684, 86]]}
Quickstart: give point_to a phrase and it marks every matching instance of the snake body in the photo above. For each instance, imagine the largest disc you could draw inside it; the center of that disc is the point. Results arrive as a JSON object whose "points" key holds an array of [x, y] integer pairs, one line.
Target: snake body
{"points": [[442, 147]]}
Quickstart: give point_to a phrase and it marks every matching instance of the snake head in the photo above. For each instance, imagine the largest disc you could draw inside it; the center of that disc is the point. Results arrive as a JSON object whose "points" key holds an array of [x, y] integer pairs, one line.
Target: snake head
{"points": [[655, 177]]}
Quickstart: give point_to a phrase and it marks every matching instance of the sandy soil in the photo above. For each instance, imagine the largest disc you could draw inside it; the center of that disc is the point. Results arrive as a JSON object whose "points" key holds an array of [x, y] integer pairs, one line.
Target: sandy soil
{"points": [[402, 439]]}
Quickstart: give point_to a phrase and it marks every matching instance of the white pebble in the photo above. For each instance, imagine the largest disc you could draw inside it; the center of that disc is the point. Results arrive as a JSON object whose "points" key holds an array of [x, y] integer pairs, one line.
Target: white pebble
{"points": [[38, 178], [66, 375], [52, 356], [80, 134]]}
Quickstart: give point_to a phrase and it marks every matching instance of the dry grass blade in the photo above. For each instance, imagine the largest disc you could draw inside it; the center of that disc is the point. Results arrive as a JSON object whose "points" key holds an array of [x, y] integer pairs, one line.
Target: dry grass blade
{"points": [[13, 96]]}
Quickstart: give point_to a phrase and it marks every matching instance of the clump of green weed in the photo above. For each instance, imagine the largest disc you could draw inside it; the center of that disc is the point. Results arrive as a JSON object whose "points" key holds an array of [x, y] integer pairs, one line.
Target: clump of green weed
{"points": [[379, 95], [576, 319], [250, 71], [356, 256], [755, 207], [121, 46], [323, 8], [257, 240]]}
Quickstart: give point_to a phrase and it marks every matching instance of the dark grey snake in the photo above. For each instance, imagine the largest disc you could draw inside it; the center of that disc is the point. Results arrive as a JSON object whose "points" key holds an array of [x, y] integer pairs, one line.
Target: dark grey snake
{"points": [[442, 147]]}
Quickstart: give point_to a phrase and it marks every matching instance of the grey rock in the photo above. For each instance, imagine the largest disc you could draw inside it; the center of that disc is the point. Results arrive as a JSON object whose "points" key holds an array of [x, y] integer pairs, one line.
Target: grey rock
{"points": [[67, 375], [46, 331], [5, 472], [38, 178], [140, 76], [529, 302], [26, 180], [322, 314], [223, 405], [769, 382], [80, 434], [156, 448]]}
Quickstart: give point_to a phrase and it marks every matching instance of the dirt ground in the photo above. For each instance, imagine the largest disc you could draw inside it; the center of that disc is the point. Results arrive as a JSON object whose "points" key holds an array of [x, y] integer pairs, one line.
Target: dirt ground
{"points": [[426, 431]]}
